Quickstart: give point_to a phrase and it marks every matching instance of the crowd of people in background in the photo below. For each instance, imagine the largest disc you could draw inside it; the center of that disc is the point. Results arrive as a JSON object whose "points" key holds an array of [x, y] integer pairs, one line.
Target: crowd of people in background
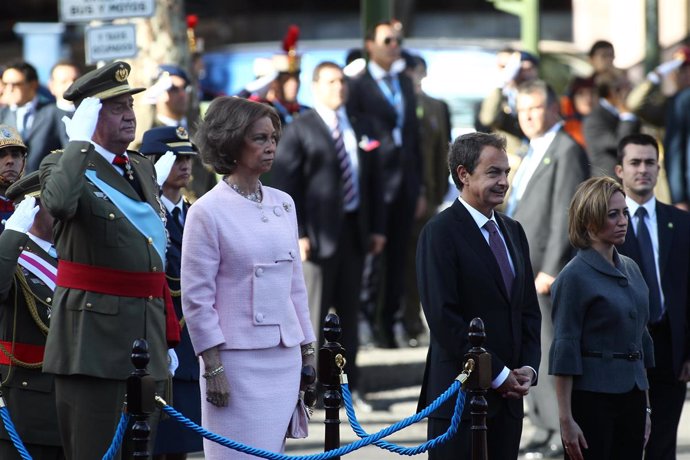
{"points": [[251, 223]]}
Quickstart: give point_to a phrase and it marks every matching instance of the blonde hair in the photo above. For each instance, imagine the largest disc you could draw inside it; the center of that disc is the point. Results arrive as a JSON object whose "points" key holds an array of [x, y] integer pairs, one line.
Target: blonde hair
{"points": [[588, 209]]}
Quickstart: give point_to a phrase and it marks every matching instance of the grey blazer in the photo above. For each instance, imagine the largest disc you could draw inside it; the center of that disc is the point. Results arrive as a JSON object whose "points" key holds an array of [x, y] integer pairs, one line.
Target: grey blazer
{"points": [[604, 309]]}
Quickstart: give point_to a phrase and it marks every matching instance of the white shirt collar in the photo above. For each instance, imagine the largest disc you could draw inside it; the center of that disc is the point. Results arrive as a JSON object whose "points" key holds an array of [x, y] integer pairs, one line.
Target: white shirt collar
{"points": [[649, 205], [67, 106], [169, 205], [379, 72], [29, 106], [541, 144], [479, 218], [608, 106], [43, 244], [105, 153], [329, 116]]}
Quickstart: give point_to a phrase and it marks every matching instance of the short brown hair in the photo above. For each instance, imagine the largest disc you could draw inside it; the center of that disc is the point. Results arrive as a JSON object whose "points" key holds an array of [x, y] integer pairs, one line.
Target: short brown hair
{"points": [[220, 136], [465, 150], [588, 209]]}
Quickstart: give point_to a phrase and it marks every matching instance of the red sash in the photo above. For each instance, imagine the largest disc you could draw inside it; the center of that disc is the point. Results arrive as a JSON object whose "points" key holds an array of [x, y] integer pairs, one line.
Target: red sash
{"points": [[122, 283], [26, 352]]}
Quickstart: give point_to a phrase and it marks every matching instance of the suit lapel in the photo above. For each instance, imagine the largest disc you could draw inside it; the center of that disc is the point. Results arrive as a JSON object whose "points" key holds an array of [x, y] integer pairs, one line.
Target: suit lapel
{"points": [[546, 161], [515, 256], [664, 228], [477, 243], [150, 194]]}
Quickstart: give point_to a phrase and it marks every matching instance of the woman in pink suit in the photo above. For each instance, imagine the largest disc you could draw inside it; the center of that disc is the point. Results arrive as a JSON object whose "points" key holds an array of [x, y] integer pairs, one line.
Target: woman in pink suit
{"points": [[243, 291]]}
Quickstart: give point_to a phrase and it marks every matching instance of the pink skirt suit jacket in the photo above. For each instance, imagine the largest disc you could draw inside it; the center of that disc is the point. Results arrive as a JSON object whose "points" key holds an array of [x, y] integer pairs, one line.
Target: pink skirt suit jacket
{"points": [[243, 290]]}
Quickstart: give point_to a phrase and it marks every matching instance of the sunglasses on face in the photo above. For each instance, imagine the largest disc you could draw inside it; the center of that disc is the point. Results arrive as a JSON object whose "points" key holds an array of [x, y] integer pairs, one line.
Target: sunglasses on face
{"points": [[388, 40]]}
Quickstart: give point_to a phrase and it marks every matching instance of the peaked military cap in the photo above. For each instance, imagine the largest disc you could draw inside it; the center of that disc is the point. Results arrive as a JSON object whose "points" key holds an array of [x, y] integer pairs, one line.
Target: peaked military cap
{"points": [[104, 83], [173, 71], [157, 141], [9, 137], [29, 185]]}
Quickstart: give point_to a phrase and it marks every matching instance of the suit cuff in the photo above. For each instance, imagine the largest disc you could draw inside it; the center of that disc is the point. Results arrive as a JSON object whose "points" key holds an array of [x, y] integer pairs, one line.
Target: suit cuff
{"points": [[534, 377], [502, 376]]}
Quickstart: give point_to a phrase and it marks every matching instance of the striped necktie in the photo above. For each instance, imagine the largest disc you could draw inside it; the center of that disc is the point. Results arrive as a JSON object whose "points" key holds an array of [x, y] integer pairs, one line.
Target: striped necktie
{"points": [[346, 175]]}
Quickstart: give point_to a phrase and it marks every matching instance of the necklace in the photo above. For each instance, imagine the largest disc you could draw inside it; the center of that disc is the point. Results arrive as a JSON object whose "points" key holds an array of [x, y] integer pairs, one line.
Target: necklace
{"points": [[256, 196]]}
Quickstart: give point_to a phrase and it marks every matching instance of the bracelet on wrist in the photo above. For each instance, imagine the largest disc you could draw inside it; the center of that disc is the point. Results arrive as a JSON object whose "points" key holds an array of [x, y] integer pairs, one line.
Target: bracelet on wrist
{"points": [[217, 371]]}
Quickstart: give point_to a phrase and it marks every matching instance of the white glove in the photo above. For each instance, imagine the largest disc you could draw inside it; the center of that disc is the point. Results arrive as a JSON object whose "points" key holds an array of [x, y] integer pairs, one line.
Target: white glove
{"points": [[84, 120], [173, 362], [663, 69], [163, 84], [261, 85], [511, 69], [164, 166], [355, 68], [23, 217]]}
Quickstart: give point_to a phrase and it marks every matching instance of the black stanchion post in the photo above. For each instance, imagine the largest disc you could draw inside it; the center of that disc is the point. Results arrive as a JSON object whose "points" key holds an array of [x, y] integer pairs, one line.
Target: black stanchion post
{"points": [[331, 362], [141, 391], [477, 385]]}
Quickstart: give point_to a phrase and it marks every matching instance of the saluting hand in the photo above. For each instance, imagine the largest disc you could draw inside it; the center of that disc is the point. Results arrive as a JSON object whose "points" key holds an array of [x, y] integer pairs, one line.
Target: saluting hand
{"points": [[164, 166], [83, 123], [23, 217]]}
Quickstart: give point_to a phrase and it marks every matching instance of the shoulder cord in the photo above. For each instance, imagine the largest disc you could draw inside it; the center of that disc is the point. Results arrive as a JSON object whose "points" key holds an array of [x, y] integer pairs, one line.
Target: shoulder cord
{"points": [[7, 353], [31, 298]]}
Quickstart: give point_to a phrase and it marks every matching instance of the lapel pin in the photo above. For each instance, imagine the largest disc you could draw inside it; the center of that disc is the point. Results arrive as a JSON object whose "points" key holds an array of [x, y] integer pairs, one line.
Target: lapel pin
{"points": [[670, 225], [547, 160]]}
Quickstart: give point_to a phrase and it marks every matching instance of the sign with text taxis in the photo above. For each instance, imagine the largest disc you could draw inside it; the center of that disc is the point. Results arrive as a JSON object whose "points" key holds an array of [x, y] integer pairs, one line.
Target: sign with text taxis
{"points": [[110, 42], [104, 10]]}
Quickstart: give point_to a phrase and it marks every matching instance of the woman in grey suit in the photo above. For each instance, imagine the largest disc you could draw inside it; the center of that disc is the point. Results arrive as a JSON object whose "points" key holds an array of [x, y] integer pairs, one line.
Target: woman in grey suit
{"points": [[601, 346]]}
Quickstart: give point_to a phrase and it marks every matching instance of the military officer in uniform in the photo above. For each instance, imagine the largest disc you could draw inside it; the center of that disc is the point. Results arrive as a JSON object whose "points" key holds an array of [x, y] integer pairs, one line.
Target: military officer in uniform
{"points": [[28, 268], [164, 144], [111, 289], [12, 160]]}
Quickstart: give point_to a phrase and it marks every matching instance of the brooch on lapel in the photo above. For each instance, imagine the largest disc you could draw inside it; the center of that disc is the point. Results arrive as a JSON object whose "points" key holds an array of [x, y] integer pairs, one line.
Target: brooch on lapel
{"points": [[367, 144], [287, 206]]}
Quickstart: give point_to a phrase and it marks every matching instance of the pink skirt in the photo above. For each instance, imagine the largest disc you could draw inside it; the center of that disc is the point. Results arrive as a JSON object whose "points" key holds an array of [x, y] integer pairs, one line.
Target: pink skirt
{"points": [[264, 387]]}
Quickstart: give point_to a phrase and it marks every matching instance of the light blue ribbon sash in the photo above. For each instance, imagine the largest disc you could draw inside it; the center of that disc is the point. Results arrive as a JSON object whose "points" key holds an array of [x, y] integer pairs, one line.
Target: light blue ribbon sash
{"points": [[139, 213]]}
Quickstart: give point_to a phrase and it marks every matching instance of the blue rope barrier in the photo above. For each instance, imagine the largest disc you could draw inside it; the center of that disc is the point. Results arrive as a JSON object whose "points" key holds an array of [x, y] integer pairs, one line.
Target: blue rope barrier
{"points": [[119, 436], [341, 451], [430, 444], [12, 432]]}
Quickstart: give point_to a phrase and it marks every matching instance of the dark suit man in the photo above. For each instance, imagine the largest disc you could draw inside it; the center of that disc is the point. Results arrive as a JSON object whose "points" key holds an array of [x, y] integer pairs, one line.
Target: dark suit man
{"points": [[174, 153], [539, 198], [668, 277], [35, 119], [109, 222], [387, 96], [609, 121], [28, 268], [336, 228], [472, 261]]}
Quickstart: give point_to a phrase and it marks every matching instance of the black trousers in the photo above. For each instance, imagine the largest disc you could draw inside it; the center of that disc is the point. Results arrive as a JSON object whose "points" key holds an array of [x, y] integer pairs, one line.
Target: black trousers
{"points": [[37, 452], [503, 438], [89, 410], [335, 282], [612, 424], [666, 396]]}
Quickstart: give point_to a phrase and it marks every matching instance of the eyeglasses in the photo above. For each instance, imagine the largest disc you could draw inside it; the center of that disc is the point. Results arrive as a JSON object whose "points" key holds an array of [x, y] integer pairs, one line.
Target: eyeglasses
{"points": [[14, 84], [388, 40]]}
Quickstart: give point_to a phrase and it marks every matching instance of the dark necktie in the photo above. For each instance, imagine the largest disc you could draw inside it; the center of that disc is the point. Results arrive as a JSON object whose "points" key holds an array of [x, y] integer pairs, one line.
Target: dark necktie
{"points": [[128, 173], [176, 217], [388, 80], [648, 265], [346, 175], [501, 254]]}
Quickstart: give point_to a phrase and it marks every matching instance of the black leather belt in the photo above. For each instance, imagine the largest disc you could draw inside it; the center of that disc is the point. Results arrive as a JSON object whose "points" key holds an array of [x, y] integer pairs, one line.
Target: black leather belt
{"points": [[630, 356]]}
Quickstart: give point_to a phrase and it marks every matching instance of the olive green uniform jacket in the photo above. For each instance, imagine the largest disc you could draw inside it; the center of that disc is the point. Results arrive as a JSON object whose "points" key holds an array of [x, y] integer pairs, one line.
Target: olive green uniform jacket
{"points": [[28, 393], [92, 334]]}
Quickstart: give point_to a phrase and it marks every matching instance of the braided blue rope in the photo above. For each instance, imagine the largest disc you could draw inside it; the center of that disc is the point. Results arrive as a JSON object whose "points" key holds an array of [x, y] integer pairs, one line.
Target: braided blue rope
{"points": [[344, 450], [12, 431], [119, 436], [430, 444]]}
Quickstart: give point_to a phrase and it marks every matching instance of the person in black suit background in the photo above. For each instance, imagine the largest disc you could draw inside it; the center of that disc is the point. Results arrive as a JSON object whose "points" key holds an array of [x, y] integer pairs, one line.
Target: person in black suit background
{"points": [[386, 95], [334, 178], [173, 174], [609, 121], [669, 232], [540, 193], [34, 117], [474, 262]]}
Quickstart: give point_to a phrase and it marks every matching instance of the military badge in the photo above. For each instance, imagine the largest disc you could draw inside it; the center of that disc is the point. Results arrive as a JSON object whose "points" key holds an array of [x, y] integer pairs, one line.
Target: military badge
{"points": [[367, 144], [182, 133], [121, 74]]}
